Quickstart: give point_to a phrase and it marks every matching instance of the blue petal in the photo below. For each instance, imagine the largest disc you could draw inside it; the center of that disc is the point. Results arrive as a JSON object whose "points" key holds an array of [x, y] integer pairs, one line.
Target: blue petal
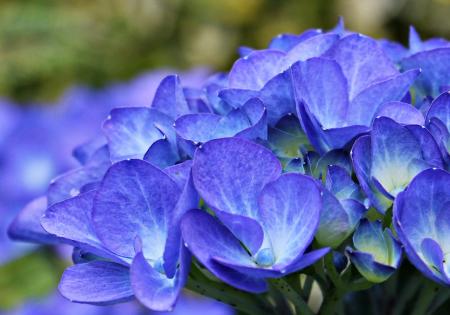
{"points": [[362, 61], [362, 159], [435, 65], [370, 269], [73, 182], [207, 238], [327, 99], [188, 200], [70, 221], [97, 282], [440, 109], [402, 113], [315, 46], [131, 131], [135, 200], [339, 183], [161, 154], [230, 173], [245, 229], [430, 149], [27, 225], [169, 98], [364, 105], [286, 42], [417, 212], [290, 211], [395, 155], [434, 257], [369, 238], [154, 289], [335, 225], [252, 72], [287, 139], [277, 95], [393, 50], [249, 121]]}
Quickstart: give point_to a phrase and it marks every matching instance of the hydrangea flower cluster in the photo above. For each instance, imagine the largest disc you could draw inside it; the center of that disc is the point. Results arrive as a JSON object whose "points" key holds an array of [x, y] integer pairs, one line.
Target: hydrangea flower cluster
{"points": [[35, 144], [249, 188]]}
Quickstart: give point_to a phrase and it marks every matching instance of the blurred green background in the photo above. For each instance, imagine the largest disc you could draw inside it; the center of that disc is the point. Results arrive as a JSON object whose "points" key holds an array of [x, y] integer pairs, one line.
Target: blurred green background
{"points": [[47, 45]]}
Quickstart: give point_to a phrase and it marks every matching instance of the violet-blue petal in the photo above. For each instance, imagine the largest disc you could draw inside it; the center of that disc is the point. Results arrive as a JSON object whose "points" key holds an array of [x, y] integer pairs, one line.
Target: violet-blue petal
{"points": [[327, 99], [440, 109], [420, 213], [286, 42], [131, 131], [198, 128], [27, 226], [97, 282], [169, 98], [287, 139], [315, 46], [394, 162], [290, 211], [339, 182], [369, 268], [277, 95], [230, 173], [135, 199], [162, 154], [367, 102], [206, 238], [71, 219], [363, 62], [361, 158], [154, 289], [253, 71], [430, 148], [188, 200], [402, 113], [338, 219], [435, 65]]}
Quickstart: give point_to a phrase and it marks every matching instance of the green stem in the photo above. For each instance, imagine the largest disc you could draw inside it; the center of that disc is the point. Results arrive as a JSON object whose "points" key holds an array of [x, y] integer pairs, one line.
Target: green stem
{"points": [[425, 298], [406, 294], [331, 271], [301, 307], [244, 302], [330, 302], [307, 287], [223, 293]]}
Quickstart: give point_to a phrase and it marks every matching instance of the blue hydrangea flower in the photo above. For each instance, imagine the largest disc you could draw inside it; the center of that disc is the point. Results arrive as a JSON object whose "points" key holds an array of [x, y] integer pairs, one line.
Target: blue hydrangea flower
{"points": [[274, 216], [143, 206], [336, 110], [377, 253], [421, 218], [388, 159], [433, 57]]}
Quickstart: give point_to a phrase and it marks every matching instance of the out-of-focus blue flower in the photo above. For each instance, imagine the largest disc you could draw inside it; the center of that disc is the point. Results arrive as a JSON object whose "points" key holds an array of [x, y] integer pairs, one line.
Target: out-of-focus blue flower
{"points": [[342, 207], [57, 305], [421, 218], [274, 216], [377, 253], [388, 159]]}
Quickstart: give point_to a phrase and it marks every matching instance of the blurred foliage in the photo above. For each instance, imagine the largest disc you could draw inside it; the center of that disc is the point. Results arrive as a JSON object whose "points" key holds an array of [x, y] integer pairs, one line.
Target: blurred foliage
{"points": [[46, 45], [33, 276]]}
